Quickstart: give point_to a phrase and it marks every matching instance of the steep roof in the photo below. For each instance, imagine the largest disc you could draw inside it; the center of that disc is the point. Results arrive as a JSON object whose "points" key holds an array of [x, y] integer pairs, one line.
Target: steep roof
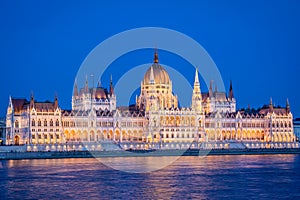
{"points": [[19, 105]]}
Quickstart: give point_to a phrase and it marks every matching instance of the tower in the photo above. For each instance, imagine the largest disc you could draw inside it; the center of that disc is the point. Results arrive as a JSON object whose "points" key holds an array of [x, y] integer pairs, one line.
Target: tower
{"points": [[156, 85], [112, 96], [196, 97]]}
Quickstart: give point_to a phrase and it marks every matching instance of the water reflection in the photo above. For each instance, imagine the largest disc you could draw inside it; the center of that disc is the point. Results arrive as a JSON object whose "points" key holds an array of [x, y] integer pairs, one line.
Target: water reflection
{"points": [[212, 177]]}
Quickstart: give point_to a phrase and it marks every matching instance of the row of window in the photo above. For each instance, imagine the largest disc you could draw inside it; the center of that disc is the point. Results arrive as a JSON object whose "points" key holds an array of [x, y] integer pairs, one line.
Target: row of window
{"points": [[45, 123], [158, 86], [45, 130], [102, 124], [39, 136], [174, 135], [282, 125]]}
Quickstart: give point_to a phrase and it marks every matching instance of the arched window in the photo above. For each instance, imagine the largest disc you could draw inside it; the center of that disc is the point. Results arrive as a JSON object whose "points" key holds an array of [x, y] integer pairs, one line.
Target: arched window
{"points": [[51, 122], [16, 124], [39, 123], [57, 123], [45, 122], [33, 122]]}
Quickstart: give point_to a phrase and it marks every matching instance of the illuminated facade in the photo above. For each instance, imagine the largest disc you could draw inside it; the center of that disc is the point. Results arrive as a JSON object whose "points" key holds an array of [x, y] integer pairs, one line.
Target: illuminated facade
{"points": [[155, 121]]}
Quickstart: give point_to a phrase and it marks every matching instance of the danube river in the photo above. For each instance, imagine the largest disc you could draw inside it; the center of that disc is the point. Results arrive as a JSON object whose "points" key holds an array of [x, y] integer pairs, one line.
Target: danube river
{"points": [[210, 177]]}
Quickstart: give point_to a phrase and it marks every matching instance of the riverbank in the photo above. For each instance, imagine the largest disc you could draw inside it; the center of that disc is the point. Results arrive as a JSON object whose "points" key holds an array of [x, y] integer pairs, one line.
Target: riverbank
{"points": [[141, 153]]}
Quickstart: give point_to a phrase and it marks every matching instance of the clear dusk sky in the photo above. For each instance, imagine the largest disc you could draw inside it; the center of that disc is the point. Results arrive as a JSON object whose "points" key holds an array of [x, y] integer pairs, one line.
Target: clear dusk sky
{"points": [[253, 43]]}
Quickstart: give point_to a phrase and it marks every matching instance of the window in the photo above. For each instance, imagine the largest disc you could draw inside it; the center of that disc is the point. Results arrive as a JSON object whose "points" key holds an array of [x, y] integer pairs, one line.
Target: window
{"points": [[39, 123], [16, 124], [57, 123], [51, 122], [45, 123], [33, 122], [33, 136]]}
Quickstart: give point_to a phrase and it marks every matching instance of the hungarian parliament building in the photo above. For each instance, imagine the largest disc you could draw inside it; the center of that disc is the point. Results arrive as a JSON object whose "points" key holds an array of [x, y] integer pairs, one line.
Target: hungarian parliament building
{"points": [[155, 121]]}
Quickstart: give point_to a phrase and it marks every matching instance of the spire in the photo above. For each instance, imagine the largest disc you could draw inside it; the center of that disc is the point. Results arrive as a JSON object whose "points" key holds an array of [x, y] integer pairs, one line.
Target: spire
{"points": [[230, 95], [86, 87], [210, 93], [55, 101], [75, 92], [111, 87], [196, 90], [152, 81], [271, 105], [216, 87], [155, 56], [98, 84], [196, 97], [31, 100], [288, 109], [196, 76]]}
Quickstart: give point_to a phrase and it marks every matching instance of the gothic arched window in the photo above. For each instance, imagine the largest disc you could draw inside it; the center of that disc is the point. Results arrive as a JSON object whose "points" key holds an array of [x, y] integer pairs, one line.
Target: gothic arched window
{"points": [[57, 123], [16, 124]]}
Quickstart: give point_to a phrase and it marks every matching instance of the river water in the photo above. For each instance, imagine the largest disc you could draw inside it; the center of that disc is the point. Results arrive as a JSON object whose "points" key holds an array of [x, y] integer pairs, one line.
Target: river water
{"points": [[211, 177]]}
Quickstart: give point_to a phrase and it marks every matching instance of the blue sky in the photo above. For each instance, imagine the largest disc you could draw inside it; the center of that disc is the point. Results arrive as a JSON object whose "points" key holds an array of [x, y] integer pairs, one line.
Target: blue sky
{"points": [[254, 43]]}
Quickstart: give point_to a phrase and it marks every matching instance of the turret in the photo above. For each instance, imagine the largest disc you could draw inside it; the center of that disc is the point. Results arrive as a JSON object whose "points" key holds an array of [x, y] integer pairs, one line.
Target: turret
{"points": [[86, 86], [271, 105], [31, 101], [113, 99], [210, 92], [288, 109], [75, 90], [111, 87], [55, 102], [196, 97], [230, 95]]}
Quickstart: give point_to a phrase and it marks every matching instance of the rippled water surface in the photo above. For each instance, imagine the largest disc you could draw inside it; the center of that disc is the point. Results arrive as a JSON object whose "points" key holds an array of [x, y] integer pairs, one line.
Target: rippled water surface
{"points": [[211, 177]]}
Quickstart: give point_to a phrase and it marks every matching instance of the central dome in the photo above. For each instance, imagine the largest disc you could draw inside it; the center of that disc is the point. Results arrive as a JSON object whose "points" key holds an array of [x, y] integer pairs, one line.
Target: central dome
{"points": [[160, 75]]}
